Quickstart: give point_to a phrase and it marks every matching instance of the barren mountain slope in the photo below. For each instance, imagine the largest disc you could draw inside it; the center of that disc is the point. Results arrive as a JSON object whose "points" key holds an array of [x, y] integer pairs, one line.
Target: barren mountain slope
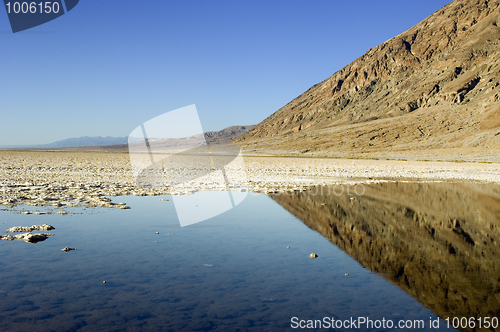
{"points": [[433, 87]]}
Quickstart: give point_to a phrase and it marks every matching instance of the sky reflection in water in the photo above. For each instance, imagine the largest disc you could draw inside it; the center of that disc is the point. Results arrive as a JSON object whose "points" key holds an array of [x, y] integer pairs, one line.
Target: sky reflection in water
{"points": [[232, 272]]}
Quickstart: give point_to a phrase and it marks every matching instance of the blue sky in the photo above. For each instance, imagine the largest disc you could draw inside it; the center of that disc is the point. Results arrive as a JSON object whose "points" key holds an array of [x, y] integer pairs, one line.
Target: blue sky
{"points": [[109, 65]]}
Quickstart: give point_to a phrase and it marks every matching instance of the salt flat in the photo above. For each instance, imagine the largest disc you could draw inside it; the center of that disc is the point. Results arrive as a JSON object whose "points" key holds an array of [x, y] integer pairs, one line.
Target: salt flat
{"points": [[87, 179]]}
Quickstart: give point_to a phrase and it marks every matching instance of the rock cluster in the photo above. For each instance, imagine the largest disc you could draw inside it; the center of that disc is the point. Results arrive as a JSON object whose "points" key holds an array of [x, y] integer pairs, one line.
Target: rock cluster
{"points": [[27, 237], [19, 229], [60, 180]]}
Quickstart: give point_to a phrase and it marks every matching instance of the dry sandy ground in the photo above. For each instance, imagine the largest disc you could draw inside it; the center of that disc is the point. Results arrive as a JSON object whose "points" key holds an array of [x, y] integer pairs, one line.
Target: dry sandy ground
{"points": [[87, 179]]}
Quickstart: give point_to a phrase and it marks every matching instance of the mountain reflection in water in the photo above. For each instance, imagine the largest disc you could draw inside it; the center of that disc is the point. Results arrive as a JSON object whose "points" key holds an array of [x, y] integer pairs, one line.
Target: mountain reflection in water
{"points": [[439, 242]]}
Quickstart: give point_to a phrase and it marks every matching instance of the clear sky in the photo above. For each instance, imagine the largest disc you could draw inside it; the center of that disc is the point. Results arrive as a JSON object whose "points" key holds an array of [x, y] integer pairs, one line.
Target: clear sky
{"points": [[109, 65]]}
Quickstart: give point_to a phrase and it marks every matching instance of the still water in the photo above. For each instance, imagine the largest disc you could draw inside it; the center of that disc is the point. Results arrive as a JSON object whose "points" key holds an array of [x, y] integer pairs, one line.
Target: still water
{"points": [[234, 272]]}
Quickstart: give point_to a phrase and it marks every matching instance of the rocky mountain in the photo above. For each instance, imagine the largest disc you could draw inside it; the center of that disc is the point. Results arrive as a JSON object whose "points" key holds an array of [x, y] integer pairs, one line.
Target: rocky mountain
{"points": [[434, 89]]}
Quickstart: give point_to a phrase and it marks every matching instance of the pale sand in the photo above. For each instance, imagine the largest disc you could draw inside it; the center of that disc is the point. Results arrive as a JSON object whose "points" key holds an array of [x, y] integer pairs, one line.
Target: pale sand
{"points": [[84, 179]]}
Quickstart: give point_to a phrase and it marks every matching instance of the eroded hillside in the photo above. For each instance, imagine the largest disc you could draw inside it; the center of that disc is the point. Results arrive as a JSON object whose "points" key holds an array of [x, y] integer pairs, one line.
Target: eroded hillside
{"points": [[434, 87]]}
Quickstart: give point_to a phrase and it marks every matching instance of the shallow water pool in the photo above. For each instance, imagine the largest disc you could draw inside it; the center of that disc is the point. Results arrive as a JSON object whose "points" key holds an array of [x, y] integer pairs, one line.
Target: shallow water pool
{"points": [[229, 273]]}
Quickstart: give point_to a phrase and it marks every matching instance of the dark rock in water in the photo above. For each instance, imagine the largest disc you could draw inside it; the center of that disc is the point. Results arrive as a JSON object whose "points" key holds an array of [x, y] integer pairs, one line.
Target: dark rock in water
{"points": [[27, 237], [67, 249], [33, 238]]}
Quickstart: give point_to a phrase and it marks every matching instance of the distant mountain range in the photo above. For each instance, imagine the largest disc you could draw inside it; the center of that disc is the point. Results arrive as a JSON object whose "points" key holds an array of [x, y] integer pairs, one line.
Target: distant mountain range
{"points": [[74, 142], [227, 135], [121, 143]]}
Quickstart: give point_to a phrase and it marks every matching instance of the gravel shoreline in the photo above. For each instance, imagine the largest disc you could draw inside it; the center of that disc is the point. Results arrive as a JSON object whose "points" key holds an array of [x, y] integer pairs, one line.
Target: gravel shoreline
{"points": [[60, 179]]}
